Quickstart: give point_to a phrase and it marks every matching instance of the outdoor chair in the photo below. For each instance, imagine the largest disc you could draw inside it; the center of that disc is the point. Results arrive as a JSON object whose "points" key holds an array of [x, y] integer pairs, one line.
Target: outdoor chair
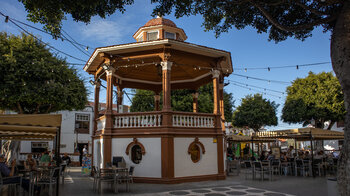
{"points": [[50, 180], [318, 165], [276, 166], [248, 169], [122, 176], [232, 167], [11, 182], [307, 167], [95, 175], [130, 178], [299, 166], [260, 169], [63, 172], [104, 175]]}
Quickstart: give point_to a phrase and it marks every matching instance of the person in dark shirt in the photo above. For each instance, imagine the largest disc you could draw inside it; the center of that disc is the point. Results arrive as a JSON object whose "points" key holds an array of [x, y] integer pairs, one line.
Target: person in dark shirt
{"points": [[66, 158], [6, 172], [262, 156]]}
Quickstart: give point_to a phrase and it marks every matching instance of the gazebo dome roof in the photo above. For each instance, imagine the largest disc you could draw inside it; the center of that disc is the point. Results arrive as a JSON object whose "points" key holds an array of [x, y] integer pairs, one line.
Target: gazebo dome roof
{"points": [[160, 21]]}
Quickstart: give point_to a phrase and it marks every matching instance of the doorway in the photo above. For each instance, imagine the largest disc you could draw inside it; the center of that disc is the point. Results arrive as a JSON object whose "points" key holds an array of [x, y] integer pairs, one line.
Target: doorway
{"points": [[80, 150]]}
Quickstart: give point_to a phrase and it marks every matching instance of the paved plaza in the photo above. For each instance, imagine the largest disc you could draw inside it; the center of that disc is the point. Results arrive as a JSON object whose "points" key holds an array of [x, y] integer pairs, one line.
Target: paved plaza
{"points": [[78, 184]]}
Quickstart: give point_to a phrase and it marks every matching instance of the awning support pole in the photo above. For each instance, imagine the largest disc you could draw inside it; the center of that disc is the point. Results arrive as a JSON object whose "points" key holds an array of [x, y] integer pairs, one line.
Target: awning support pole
{"points": [[312, 156]]}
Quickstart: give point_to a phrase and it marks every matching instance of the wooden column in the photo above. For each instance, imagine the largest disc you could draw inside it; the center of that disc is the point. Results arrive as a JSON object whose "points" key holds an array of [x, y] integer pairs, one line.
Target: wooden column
{"points": [[120, 98], [221, 101], [156, 102], [195, 102], [216, 75], [106, 134], [166, 69], [96, 104]]}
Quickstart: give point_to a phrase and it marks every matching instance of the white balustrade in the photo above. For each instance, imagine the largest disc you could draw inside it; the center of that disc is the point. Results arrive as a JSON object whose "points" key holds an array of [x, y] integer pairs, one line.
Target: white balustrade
{"points": [[145, 120], [193, 121]]}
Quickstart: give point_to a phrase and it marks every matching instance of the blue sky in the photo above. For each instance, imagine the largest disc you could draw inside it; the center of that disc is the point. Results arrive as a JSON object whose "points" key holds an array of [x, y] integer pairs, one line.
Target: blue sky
{"points": [[248, 48]]}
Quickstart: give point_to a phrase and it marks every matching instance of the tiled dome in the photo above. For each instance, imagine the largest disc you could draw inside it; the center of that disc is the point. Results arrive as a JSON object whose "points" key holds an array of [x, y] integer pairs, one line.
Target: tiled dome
{"points": [[160, 21]]}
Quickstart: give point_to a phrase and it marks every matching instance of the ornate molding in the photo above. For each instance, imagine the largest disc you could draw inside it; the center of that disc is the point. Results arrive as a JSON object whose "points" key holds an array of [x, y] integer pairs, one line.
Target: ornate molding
{"points": [[215, 73], [166, 65], [157, 97], [196, 142], [135, 142], [110, 71]]}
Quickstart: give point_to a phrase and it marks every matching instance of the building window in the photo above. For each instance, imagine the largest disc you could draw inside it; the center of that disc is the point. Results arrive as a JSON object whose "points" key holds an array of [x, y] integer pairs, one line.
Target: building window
{"points": [[39, 146], [136, 154], [195, 150], [82, 123], [195, 153], [152, 36], [169, 35]]}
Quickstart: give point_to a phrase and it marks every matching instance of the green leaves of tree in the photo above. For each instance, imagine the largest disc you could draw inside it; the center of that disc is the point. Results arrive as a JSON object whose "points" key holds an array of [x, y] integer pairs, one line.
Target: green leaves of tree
{"points": [[255, 112], [182, 100], [35, 81], [318, 97], [50, 13]]}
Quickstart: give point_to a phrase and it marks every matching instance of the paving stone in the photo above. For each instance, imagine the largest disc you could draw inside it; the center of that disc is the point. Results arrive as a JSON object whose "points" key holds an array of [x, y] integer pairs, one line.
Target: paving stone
{"points": [[220, 189], [236, 193], [179, 193], [274, 194], [255, 191], [214, 194], [239, 187], [201, 191]]}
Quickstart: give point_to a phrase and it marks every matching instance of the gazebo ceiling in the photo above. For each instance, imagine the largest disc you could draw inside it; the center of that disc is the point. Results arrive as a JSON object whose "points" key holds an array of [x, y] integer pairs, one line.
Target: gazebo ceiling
{"points": [[139, 63]]}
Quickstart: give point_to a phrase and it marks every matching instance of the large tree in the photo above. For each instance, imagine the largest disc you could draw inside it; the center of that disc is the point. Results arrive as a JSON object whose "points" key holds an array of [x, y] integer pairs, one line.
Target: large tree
{"points": [[318, 97], [280, 18], [182, 100], [255, 112], [34, 81]]}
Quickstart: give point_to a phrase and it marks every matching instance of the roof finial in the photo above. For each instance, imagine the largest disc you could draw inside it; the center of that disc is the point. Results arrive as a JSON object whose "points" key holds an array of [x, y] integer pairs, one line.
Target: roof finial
{"points": [[159, 15]]}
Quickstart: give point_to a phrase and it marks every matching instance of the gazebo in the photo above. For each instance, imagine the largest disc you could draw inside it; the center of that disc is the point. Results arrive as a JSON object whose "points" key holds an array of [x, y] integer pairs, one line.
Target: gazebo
{"points": [[164, 146]]}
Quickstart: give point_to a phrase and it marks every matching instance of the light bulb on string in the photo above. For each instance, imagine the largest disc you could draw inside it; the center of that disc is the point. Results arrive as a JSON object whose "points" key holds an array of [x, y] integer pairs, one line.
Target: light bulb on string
{"points": [[268, 69], [297, 66], [245, 69]]}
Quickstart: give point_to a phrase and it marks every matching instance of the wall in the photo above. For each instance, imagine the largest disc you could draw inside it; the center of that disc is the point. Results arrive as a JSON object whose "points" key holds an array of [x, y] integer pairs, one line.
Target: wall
{"points": [[182, 161], [150, 165]]}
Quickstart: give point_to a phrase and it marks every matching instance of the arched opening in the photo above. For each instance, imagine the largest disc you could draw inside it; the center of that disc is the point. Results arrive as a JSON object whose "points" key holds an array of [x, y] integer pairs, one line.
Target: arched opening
{"points": [[136, 154]]}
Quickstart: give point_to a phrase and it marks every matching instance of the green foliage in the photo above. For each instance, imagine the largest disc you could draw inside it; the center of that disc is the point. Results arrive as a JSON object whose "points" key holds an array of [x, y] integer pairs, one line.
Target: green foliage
{"points": [[255, 112], [143, 101], [281, 19], [50, 13], [181, 100], [35, 81], [318, 96]]}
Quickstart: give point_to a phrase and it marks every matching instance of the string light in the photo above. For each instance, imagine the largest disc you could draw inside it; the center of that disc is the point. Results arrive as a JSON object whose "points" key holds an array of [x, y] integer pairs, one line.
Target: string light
{"points": [[261, 79], [281, 67], [248, 85]]}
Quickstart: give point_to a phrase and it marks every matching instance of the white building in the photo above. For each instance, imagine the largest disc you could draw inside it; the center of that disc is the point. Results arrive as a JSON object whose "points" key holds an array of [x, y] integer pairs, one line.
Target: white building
{"points": [[76, 131]]}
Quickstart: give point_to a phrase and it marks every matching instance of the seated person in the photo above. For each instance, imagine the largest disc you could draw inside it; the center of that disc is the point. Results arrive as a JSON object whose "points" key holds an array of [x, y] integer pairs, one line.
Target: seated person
{"points": [[6, 172], [307, 155], [262, 156], [270, 156], [45, 159], [30, 163]]}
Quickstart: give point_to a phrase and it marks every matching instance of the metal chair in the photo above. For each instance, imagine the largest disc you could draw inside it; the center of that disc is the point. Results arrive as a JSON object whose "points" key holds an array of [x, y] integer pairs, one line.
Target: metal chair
{"points": [[50, 180], [122, 176], [12, 182], [276, 166], [299, 166], [260, 169], [105, 175], [232, 167], [249, 169]]}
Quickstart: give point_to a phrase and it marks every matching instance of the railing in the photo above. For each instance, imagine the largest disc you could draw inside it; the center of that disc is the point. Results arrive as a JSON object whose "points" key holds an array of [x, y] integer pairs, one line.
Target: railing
{"points": [[130, 120], [101, 123], [193, 120]]}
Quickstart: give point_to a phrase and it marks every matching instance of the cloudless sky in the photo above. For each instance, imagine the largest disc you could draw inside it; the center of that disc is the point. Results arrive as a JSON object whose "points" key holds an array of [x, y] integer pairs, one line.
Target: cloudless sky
{"points": [[248, 48]]}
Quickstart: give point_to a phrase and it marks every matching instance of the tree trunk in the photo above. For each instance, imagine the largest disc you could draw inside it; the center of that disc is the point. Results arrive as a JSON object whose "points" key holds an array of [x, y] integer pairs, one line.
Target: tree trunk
{"points": [[340, 54]]}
